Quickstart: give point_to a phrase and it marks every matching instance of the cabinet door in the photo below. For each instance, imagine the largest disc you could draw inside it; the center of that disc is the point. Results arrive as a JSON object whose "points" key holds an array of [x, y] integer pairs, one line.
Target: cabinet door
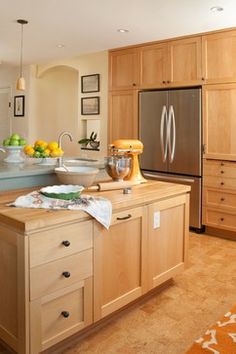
{"points": [[119, 261], [220, 121], [123, 115], [218, 53], [185, 61], [153, 65], [123, 69], [168, 224]]}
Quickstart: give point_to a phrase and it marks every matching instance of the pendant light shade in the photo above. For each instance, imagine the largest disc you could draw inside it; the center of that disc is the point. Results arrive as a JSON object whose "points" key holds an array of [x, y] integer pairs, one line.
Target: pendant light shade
{"points": [[20, 83]]}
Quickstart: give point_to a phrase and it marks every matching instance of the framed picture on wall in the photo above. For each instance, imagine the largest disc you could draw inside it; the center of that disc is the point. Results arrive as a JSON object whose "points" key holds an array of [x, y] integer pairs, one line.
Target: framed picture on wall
{"points": [[90, 83], [19, 106], [90, 105]]}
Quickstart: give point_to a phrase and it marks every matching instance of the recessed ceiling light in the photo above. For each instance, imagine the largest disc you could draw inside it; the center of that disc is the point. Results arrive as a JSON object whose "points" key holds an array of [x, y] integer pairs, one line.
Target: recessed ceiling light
{"points": [[60, 45], [217, 8], [122, 30]]}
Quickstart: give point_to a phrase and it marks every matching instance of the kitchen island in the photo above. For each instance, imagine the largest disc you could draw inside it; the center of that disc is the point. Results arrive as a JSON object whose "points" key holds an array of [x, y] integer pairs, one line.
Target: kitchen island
{"points": [[61, 271]]}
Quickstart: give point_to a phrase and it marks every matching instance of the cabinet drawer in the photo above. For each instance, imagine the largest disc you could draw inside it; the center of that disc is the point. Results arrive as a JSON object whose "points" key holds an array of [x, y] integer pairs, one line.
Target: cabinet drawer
{"points": [[219, 199], [50, 245], [219, 169], [219, 219], [219, 182], [61, 273]]}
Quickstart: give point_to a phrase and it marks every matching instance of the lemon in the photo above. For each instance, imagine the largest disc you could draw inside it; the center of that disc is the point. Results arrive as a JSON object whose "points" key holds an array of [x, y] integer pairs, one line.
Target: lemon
{"points": [[40, 143], [46, 152], [52, 145], [57, 152], [30, 151]]}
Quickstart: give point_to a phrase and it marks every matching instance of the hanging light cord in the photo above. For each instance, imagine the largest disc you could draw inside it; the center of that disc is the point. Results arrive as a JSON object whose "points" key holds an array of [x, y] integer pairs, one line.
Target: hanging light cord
{"points": [[22, 23]]}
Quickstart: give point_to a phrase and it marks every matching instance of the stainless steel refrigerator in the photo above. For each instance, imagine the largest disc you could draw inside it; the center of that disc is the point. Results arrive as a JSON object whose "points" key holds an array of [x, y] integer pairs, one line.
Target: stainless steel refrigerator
{"points": [[170, 129]]}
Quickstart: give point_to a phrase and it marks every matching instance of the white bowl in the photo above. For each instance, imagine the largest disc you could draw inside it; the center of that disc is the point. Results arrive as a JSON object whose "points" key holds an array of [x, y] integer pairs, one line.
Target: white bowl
{"points": [[80, 175], [15, 154]]}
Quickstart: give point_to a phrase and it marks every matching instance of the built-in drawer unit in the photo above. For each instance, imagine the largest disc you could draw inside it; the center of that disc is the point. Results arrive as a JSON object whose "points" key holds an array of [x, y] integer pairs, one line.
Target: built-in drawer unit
{"points": [[61, 273], [219, 194], [54, 244]]}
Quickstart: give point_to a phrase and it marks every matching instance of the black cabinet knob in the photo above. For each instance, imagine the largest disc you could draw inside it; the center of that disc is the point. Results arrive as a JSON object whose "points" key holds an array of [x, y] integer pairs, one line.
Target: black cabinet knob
{"points": [[163, 82], [66, 243], [168, 82], [222, 183], [66, 274], [203, 78], [134, 84], [221, 219], [222, 199], [222, 172], [65, 314]]}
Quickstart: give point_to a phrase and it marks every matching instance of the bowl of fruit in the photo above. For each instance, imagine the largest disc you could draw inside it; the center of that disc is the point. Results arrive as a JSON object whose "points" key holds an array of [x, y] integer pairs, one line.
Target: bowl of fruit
{"points": [[13, 146], [43, 152]]}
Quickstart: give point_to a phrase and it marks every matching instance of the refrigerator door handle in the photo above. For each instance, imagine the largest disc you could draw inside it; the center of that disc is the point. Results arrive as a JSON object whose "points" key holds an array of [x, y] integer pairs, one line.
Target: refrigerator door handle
{"points": [[164, 121], [171, 133]]}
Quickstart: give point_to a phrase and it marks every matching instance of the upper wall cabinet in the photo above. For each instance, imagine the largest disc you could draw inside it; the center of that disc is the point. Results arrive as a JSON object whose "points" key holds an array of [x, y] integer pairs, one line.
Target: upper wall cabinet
{"points": [[124, 69], [172, 63], [154, 64], [219, 53]]}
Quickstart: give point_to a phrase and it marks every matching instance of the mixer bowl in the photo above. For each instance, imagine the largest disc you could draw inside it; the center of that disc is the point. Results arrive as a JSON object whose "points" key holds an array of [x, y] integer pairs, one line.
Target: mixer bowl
{"points": [[118, 167]]}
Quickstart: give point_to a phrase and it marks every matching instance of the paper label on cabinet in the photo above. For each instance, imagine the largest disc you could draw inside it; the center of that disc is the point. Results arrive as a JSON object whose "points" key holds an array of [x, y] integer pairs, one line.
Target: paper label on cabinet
{"points": [[156, 219]]}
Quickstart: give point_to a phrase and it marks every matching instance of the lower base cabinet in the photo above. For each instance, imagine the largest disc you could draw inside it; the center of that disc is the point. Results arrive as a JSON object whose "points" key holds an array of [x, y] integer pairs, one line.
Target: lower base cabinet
{"points": [[143, 248]]}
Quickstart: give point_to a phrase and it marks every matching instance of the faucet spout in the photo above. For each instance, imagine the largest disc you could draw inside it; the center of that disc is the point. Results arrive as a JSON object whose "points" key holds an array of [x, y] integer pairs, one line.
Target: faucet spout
{"points": [[60, 143]]}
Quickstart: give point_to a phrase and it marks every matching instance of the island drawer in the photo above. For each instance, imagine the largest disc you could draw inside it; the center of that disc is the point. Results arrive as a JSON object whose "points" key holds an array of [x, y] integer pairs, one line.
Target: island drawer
{"points": [[219, 199], [49, 277], [219, 219], [60, 314], [54, 244]]}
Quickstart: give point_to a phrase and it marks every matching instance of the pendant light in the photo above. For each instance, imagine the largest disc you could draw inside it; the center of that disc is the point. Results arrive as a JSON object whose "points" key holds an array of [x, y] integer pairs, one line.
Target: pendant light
{"points": [[20, 83]]}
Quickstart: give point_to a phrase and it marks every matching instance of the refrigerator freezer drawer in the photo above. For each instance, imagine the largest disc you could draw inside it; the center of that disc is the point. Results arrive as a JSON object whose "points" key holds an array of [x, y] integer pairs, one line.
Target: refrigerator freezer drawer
{"points": [[195, 194]]}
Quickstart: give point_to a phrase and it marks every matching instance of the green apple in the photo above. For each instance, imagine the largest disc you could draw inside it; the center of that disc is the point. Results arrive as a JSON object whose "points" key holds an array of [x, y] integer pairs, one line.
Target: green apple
{"points": [[22, 142], [15, 137], [37, 154], [14, 142], [6, 142], [39, 148]]}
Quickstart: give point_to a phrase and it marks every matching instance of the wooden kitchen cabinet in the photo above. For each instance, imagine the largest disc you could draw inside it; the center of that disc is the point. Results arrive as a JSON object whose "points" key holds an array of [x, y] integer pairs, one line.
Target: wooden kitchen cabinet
{"points": [[123, 69], [123, 115], [168, 241], [219, 124], [218, 56], [120, 261], [171, 63], [219, 194]]}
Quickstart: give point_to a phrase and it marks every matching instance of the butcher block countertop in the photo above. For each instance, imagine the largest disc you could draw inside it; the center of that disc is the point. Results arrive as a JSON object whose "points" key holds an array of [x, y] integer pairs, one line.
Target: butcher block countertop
{"points": [[27, 220]]}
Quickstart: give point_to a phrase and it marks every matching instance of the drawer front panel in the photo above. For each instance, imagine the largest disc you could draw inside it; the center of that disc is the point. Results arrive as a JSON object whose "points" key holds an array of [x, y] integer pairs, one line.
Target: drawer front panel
{"points": [[54, 244], [56, 275], [220, 182], [219, 199], [62, 313], [219, 168], [219, 219]]}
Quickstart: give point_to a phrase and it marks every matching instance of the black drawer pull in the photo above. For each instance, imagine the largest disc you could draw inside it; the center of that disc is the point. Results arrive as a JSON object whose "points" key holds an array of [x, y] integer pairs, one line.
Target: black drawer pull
{"points": [[66, 243], [66, 274], [221, 219], [222, 183], [65, 314], [222, 199], [124, 217]]}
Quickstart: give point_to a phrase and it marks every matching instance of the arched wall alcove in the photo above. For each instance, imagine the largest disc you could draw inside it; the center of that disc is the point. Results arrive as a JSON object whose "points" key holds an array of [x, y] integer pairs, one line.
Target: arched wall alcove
{"points": [[57, 90]]}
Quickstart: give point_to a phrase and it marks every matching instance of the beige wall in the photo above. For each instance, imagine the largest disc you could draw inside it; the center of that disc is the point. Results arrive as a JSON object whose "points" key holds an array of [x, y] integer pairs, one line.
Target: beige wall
{"points": [[55, 96]]}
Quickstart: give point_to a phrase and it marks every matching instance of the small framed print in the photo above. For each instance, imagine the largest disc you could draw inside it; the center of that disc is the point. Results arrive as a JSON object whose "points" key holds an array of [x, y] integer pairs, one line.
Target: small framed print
{"points": [[90, 83], [19, 106], [90, 105]]}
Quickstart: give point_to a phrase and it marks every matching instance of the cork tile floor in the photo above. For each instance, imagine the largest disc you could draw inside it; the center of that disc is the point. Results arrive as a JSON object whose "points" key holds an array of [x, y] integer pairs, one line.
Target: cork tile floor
{"points": [[168, 322]]}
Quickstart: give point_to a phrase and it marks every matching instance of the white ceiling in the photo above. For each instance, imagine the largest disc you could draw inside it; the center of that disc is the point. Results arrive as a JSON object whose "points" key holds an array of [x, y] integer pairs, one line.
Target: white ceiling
{"points": [[86, 26]]}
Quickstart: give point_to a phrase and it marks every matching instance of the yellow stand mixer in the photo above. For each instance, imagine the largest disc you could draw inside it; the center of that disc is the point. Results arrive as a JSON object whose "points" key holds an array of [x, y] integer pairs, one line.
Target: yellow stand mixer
{"points": [[129, 148]]}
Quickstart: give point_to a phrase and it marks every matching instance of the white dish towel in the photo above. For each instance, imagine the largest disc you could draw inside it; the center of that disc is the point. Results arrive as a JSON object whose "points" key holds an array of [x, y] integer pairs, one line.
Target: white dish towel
{"points": [[98, 207]]}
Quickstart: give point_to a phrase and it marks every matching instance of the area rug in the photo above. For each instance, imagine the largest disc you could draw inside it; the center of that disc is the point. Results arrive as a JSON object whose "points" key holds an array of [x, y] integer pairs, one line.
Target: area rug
{"points": [[218, 339]]}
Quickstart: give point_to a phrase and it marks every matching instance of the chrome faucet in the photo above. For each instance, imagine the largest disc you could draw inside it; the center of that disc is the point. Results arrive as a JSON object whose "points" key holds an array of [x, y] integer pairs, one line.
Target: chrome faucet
{"points": [[59, 144]]}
